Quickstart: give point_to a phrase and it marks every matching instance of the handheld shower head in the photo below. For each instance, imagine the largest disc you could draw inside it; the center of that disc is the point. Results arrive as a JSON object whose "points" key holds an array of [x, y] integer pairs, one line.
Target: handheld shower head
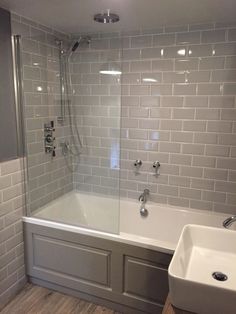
{"points": [[75, 46], [82, 39]]}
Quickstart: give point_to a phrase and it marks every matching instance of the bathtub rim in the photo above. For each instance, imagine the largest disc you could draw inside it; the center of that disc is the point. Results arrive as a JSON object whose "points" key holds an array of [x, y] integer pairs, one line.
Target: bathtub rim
{"points": [[135, 240]]}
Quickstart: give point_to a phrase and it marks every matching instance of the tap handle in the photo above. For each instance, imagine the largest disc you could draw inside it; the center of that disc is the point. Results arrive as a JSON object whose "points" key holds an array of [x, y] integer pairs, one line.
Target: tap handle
{"points": [[138, 163], [156, 164]]}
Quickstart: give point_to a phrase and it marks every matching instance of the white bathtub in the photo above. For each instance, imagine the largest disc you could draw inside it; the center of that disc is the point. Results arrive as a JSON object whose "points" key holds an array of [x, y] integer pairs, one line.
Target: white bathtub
{"points": [[87, 214]]}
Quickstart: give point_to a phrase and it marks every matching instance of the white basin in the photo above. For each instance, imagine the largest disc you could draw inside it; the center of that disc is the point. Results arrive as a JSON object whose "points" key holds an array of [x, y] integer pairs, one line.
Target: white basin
{"points": [[200, 252]]}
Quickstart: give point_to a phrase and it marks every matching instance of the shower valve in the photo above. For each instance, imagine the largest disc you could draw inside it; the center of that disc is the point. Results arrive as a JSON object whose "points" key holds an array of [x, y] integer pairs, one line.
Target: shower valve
{"points": [[49, 138]]}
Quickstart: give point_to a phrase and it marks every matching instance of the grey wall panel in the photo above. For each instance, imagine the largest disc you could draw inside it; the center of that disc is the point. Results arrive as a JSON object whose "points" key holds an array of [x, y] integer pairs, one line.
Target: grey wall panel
{"points": [[137, 276], [145, 280], [8, 133], [84, 262]]}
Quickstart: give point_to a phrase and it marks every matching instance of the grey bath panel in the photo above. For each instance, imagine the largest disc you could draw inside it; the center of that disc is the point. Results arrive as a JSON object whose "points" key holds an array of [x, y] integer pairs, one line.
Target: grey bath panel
{"points": [[145, 279], [124, 276], [80, 262]]}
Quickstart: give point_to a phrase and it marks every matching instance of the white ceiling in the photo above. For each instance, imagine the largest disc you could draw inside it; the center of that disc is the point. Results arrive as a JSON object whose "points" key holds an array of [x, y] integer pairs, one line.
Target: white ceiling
{"points": [[75, 16]]}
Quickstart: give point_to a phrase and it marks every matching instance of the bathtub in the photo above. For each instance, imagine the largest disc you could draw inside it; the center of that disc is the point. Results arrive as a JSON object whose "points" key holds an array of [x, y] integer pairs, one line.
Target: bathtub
{"points": [[100, 216], [83, 245]]}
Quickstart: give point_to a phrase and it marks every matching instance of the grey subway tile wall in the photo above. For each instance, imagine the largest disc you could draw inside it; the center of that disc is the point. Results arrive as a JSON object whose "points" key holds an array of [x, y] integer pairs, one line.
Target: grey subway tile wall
{"points": [[12, 268], [178, 107], [49, 177], [97, 103]]}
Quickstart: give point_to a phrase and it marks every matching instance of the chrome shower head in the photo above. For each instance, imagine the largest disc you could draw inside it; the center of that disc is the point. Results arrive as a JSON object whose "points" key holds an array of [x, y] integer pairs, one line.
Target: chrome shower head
{"points": [[106, 18], [75, 45]]}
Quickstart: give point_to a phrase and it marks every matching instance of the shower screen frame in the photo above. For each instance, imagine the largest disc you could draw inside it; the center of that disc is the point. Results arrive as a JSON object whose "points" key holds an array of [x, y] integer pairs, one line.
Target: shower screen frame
{"points": [[19, 107]]}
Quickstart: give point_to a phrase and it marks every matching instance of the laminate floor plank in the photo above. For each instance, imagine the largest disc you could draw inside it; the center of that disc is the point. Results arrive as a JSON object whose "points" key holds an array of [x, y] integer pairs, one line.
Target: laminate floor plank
{"points": [[33, 299], [80, 307], [25, 300], [50, 303], [70, 306]]}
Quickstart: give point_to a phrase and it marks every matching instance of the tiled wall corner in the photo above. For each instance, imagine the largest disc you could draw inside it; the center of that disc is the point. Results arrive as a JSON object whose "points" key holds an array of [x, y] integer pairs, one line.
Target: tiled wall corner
{"points": [[12, 269]]}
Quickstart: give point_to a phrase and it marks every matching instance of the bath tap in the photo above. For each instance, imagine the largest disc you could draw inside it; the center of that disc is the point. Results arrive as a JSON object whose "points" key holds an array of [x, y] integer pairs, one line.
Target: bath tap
{"points": [[143, 199], [228, 221], [143, 196]]}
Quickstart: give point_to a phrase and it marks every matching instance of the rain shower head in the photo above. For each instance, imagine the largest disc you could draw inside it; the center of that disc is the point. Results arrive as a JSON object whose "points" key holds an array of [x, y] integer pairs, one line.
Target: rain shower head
{"points": [[106, 18]]}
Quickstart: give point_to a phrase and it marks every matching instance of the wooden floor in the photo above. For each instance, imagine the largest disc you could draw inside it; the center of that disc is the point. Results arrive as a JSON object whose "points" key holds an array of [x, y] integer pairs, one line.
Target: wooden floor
{"points": [[37, 300], [170, 309]]}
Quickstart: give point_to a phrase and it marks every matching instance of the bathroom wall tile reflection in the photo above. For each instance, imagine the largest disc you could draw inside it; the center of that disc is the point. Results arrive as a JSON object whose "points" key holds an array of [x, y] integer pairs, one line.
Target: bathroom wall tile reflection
{"points": [[178, 107]]}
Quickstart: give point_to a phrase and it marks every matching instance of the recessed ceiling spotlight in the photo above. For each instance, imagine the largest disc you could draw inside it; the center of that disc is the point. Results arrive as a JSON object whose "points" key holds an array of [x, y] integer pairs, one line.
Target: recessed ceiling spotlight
{"points": [[106, 18]]}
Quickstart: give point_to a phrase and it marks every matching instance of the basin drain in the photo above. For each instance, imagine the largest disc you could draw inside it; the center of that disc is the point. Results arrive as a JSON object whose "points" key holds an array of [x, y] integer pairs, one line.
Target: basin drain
{"points": [[217, 275]]}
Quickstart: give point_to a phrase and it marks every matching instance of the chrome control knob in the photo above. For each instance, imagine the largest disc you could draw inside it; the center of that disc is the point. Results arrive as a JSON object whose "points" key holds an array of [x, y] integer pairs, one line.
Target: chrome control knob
{"points": [[49, 138], [156, 164], [138, 163]]}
